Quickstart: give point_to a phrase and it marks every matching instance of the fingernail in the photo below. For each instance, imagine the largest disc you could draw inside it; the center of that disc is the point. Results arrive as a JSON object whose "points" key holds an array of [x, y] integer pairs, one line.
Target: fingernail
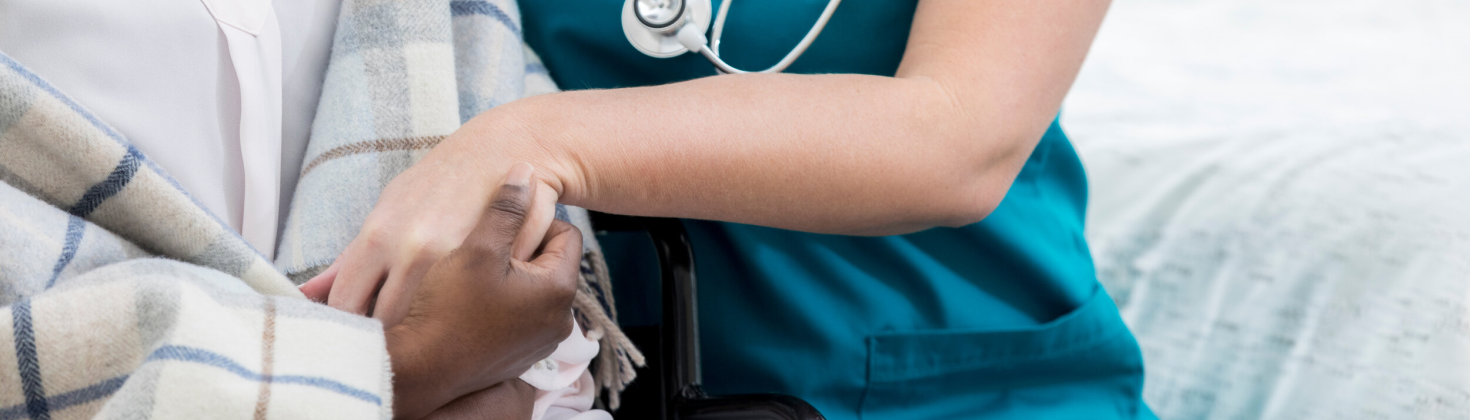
{"points": [[520, 174]]}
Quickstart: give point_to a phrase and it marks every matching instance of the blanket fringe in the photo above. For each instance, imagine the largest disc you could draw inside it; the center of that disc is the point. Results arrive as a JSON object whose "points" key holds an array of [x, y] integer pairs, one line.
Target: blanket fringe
{"points": [[617, 356]]}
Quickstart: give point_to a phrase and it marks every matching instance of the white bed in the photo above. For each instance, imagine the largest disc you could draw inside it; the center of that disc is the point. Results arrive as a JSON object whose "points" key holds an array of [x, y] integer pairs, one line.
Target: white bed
{"points": [[1281, 202]]}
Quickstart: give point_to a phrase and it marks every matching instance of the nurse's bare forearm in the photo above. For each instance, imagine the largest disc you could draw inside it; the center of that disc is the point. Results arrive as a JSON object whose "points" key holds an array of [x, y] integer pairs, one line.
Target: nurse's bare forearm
{"points": [[828, 153], [937, 145]]}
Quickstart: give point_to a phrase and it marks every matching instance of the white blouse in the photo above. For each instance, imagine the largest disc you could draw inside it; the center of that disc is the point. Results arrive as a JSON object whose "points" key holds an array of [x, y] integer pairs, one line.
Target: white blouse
{"points": [[220, 93]]}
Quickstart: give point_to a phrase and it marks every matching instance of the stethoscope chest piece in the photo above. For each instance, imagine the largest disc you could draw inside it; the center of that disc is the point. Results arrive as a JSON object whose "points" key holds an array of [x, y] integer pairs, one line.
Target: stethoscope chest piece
{"points": [[650, 25]]}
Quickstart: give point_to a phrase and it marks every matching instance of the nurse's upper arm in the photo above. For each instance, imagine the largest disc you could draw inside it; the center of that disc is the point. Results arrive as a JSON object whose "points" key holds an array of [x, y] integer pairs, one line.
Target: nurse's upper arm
{"points": [[1003, 64]]}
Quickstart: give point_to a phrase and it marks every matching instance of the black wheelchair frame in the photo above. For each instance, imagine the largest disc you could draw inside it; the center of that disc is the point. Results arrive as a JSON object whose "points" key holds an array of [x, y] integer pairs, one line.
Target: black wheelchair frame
{"points": [[673, 346]]}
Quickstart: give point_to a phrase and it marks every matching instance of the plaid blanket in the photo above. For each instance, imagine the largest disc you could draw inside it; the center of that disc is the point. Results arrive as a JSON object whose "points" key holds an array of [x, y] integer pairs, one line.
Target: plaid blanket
{"points": [[101, 327], [126, 298], [404, 75]]}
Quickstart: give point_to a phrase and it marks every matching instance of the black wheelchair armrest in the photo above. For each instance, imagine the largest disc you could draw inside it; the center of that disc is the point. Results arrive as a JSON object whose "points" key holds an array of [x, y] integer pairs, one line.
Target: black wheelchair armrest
{"points": [[679, 395]]}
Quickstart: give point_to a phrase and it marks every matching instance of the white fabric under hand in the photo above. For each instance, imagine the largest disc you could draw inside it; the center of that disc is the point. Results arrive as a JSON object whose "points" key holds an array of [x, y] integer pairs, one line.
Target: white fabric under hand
{"points": [[564, 387]]}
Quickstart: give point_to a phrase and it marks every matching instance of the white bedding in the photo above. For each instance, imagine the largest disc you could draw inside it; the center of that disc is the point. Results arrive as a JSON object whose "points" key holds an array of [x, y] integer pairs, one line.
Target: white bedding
{"points": [[1281, 202]]}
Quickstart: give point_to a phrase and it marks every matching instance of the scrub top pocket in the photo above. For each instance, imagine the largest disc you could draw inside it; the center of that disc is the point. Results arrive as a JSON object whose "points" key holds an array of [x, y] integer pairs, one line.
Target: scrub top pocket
{"points": [[1084, 365]]}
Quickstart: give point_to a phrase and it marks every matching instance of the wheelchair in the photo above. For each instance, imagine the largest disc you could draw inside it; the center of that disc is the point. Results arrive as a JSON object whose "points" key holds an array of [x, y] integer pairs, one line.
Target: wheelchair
{"points": [[668, 388]]}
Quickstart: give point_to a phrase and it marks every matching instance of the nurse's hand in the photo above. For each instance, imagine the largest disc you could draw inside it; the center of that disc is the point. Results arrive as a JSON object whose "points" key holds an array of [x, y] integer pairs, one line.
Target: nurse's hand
{"points": [[481, 316], [424, 213]]}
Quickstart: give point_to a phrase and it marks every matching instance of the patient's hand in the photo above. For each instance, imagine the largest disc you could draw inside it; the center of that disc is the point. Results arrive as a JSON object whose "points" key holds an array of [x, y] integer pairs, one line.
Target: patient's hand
{"points": [[421, 216], [510, 400], [480, 316]]}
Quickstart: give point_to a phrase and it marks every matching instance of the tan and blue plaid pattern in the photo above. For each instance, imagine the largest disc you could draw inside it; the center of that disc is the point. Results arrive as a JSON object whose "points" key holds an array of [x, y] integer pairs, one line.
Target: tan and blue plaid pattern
{"points": [[95, 325], [101, 327], [403, 75]]}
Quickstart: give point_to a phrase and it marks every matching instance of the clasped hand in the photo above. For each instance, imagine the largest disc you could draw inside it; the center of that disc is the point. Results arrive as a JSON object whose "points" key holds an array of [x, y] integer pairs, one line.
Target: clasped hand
{"points": [[480, 314]]}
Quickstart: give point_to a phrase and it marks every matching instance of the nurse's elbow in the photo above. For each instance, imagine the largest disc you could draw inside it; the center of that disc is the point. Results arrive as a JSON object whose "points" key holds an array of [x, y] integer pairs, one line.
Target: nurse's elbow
{"points": [[969, 208], [967, 218], [943, 208], [972, 198], [981, 179]]}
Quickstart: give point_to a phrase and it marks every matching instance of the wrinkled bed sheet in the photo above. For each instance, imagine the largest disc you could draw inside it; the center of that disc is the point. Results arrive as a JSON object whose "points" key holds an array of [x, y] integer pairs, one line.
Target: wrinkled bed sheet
{"points": [[1281, 203]]}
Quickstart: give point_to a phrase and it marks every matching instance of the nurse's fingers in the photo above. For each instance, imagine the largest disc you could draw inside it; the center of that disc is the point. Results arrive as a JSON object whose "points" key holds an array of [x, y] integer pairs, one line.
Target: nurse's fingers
{"points": [[318, 288], [495, 235], [396, 295], [538, 220], [357, 279]]}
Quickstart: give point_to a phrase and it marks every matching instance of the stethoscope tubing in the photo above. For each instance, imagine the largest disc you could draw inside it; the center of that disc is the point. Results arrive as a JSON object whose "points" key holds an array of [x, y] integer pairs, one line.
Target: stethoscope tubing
{"points": [[693, 39], [711, 50]]}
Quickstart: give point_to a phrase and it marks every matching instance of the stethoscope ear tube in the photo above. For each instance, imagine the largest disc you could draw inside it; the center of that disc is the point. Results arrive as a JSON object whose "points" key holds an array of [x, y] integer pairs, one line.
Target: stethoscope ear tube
{"points": [[659, 42]]}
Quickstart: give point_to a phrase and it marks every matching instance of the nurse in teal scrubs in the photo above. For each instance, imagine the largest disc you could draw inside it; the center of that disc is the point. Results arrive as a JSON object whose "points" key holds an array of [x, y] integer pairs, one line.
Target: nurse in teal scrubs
{"points": [[997, 319], [892, 229]]}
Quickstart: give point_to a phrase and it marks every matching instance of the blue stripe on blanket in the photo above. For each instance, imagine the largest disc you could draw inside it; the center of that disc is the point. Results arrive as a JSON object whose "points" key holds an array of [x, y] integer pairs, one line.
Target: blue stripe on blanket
{"points": [[109, 187], [91, 393], [29, 366], [99, 192], [75, 227], [465, 8], [206, 357]]}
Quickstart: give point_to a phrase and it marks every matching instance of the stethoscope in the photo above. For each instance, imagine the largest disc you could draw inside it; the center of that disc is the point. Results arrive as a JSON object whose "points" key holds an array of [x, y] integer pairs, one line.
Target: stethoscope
{"points": [[667, 28]]}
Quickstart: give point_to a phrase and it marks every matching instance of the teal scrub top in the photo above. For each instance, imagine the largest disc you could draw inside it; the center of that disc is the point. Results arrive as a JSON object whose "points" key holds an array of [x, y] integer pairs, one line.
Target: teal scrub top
{"points": [[1001, 319]]}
